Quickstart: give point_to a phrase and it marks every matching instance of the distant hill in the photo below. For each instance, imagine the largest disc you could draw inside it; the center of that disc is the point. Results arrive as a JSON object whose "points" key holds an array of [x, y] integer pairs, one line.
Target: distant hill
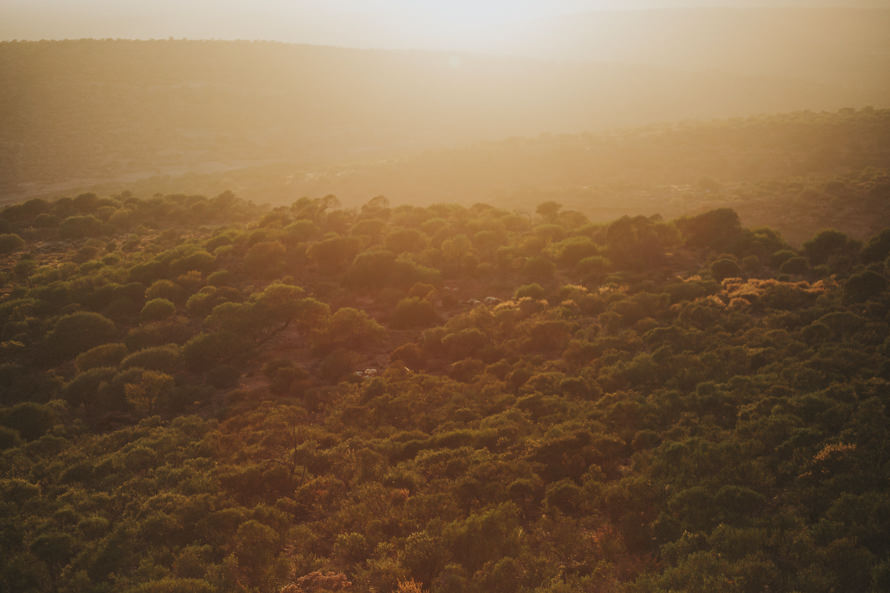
{"points": [[81, 112], [796, 172]]}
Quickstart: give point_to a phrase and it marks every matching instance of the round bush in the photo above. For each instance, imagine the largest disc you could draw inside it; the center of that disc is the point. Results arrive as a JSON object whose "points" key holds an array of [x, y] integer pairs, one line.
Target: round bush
{"points": [[30, 419], [10, 243], [535, 291], [157, 310], [106, 355], [725, 268], [160, 358], [414, 312], [79, 332]]}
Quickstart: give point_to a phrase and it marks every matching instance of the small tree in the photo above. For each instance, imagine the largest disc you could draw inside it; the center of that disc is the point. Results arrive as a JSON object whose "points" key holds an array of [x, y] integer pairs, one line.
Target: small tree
{"points": [[78, 332]]}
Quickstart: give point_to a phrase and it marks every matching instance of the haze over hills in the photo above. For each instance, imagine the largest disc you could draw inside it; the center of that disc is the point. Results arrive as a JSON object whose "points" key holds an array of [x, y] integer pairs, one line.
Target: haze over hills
{"points": [[836, 45], [92, 110], [797, 172], [79, 113], [452, 296]]}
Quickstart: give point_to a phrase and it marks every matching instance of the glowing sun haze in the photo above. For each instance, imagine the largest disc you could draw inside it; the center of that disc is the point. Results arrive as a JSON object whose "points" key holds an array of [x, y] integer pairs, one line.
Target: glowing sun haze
{"points": [[427, 24]]}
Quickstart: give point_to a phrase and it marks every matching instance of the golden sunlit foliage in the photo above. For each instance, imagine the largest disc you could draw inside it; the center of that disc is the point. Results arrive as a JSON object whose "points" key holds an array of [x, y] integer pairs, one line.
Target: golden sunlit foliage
{"points": [[228, 397]]}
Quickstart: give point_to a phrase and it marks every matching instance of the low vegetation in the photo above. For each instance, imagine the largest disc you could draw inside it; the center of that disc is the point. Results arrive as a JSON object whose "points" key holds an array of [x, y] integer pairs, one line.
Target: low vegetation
{"points": [[200, 395]]}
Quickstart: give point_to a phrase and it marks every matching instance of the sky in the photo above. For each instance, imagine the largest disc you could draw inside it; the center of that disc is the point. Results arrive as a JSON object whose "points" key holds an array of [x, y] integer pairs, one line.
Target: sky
{"points": [[396, 24]]}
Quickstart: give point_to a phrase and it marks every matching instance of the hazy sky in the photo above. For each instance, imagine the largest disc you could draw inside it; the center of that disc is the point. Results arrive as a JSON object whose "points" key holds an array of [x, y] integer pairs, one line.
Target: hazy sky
{"points": [[453, 24]]}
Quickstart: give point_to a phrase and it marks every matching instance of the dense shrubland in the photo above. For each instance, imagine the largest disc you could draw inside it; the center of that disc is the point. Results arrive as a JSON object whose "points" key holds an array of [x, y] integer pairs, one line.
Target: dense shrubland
{"points": [[204, 395]]}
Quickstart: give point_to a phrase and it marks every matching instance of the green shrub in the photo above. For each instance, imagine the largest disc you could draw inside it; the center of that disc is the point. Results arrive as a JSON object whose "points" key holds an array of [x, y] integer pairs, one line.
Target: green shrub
{"points": [[725, 268], [159, 358], [78, 332], [864, 286], [30, 419], [165, 289], [534, 291], [207, 350], [157, 310], [10, 243], [414, 312], [106, 355], [80, 227]]}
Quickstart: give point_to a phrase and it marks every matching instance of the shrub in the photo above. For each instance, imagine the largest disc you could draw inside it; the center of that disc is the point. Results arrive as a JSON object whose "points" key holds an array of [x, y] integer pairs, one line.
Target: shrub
{"points": [[466, 370], [877, 248], [80, 227], [106, 355], [9, 438], [205, 351], [717, 229], [10, 243], [405, 240], [30, 419], [573, 250], [46, 220], [351, 328], [159, 358], [157, 310], [539, 268], [371, 268], [157, 333], [864, 286], [84, 387], [534, 290], [173, 585], [265, 259], [795, 265], [593, 267], [780, 257], [827, 244], [78, 332], [224, 376], [221, 278], [414, 312], [409, 353], [725, 268], [337, 365], [200, 261], [165, 289]]}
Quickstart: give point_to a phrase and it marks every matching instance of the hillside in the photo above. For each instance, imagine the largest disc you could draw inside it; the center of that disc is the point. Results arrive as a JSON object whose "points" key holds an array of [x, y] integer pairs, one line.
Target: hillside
{"points": [[91, 111], [205, 395], [799, 173]]}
